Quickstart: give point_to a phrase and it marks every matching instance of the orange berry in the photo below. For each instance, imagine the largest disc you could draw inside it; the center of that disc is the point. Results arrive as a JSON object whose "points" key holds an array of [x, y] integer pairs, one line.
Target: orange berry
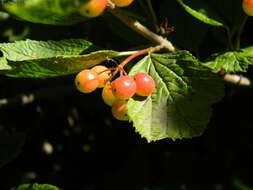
{"points": [[86, 81], [247, 6], [122, 3], [107, 94], [145, 84], [103, 74], [124, 87], [93, 8], [119, 110]]}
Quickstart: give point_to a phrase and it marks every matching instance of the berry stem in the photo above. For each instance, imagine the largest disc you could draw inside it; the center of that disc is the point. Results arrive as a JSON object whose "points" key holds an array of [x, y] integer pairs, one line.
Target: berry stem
{"points": [[141, 29], [235, 79], [138, 53]]}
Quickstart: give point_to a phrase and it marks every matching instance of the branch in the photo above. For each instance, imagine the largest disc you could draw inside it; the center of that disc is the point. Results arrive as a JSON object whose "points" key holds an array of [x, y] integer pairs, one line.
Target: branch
{"points": [[235, 79], [142, 30]]}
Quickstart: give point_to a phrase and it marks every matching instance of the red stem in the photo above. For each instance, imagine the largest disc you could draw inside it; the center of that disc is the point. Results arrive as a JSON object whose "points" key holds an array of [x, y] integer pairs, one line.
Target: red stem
{"points": [[131, 57]]}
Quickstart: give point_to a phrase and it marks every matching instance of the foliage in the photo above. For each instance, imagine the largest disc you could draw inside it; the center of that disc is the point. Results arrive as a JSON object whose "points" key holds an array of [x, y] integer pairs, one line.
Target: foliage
{"points": [[180, 107], [207, 38], [35, 186]]}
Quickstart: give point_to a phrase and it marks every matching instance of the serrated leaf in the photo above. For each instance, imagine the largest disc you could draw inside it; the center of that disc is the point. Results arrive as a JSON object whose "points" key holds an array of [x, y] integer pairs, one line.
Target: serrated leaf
{"points": [[56, 66], [54, 12], [31, 49], [48, 59], [10, 146], [180, 107], [35, 186], [231, 61], [201, 11]]}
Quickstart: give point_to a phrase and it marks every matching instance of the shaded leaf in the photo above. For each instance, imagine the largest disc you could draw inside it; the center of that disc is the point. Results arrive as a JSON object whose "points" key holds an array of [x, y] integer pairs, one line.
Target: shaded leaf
{"points": [[55, 12], [231, 61], [201, 11], [181, 105]]}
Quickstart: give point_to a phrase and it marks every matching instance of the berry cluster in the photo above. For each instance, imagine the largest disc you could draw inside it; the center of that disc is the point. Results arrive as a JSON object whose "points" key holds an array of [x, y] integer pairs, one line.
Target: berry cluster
{"points": [[115, 92], [94, 8]]}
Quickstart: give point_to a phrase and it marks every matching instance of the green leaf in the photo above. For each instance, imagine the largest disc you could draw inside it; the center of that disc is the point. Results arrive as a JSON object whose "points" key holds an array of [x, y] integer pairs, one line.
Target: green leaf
{"points": [[55, 12], [201, 11], [181, 105], [10, 146], [48, 59], [35, 186], [56, 66], [31, 49], [231, 61]]}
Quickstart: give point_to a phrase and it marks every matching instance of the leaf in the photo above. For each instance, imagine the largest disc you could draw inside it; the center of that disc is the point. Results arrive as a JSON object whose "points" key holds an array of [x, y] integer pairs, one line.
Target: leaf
{"points": [[55, 12], [31, 49], [10, 146], [35, 186], [181, 105], [49, 59], [231, 61], [201, 11], [56, 66]]}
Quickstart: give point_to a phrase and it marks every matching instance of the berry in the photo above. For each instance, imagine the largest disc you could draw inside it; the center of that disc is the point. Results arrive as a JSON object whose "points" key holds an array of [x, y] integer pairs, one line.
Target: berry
{"points": [[86, 81], [119, 110], [122, 3], [103, 74], [93, 8], [107, 94], [247, 6], [145, 84], [124, 87]]}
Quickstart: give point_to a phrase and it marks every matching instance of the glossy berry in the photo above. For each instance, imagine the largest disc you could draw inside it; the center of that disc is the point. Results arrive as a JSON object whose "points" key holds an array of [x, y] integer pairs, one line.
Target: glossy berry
{"points": [[122, 3], [107, 94], [124, 87], [93, 8], [145, 84], [119, 110], [103, 74], [247, 6], [86, 81]]}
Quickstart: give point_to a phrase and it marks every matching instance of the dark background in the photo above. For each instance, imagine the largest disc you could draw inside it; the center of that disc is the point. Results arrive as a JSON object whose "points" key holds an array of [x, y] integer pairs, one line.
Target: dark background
{"points": [[92, 150]]}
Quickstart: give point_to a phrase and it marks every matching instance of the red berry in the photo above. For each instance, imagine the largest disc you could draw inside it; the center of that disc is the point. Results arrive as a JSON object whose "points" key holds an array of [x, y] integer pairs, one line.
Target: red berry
{"points": [[124, 87], [93, 8], [145, 84], [122, 3], [107, 94], [119, 110], [247, 6], [86, 81], [103, 74]]}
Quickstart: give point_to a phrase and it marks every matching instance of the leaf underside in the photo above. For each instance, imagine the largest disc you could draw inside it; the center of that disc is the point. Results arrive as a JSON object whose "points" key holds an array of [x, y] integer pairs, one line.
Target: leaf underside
{"points": [[201, 11], [231, 61]]}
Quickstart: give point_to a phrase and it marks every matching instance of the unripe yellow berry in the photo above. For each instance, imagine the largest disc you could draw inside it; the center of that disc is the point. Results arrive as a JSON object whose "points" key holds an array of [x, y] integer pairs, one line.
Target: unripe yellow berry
{"points": [[122, 3], [93, 8]]}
